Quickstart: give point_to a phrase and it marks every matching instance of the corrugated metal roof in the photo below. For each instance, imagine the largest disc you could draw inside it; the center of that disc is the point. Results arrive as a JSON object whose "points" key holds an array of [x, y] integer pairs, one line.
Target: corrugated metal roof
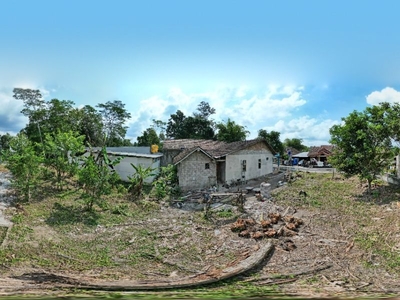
{"points": [[129, 151]]}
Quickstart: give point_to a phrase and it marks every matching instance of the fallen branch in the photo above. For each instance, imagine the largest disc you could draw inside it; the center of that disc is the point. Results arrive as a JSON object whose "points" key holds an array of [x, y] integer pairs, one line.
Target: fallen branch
{"points": [[211, 276], [304, 272]]}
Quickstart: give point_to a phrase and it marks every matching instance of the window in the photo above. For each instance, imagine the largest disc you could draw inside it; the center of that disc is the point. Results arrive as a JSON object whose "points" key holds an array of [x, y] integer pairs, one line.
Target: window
{"points": [[244, 166], [259, 163], [207, 166]]}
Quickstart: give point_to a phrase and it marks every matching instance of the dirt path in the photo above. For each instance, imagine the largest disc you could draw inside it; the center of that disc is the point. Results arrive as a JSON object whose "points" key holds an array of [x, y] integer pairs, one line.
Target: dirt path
{"points": [[5, 198]]}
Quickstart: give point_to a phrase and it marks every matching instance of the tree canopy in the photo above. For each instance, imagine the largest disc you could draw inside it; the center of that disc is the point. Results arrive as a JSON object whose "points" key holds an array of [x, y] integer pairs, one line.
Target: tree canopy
{"points": [[114, 117], [105, 126], [295, 143], [198, 126], [273, 139], [231, 132], [363, 142]]}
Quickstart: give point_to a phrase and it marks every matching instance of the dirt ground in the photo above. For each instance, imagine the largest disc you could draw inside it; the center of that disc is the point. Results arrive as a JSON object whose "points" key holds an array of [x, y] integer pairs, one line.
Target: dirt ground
{"points": [[321, 260]]}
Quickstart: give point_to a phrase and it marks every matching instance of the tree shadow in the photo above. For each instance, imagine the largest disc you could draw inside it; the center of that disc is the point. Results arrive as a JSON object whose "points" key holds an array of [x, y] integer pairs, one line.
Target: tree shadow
{"points": [[69, 214], [380, 194]]}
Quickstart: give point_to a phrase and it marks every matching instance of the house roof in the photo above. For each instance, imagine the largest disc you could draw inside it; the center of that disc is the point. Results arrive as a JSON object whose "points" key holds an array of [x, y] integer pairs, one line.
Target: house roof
{"points": [[301, 155], [213, 149], [128, 152], [318, 150]]}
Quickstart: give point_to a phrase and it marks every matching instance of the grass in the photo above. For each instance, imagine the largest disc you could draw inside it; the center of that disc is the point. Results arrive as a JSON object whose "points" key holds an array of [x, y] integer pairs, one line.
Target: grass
{"points": [[375, 216], [126, 239]]}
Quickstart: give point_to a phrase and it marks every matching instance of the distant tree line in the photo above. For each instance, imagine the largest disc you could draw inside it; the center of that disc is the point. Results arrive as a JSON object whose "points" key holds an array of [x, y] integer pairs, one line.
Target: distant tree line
{"points": [[104, 124]]}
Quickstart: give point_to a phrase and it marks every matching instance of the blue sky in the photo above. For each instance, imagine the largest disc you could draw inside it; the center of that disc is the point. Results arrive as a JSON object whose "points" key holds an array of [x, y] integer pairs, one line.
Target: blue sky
{"points": [[296, 67]]}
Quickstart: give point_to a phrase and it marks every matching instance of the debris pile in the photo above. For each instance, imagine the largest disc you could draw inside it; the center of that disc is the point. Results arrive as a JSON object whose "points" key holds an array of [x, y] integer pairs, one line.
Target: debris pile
{"points": [[274, 226]]}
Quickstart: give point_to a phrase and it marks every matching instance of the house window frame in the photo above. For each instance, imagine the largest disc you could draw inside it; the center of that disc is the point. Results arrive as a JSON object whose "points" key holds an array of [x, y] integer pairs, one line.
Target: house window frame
{"points": [[244, 165], [259, 163], [207, 166]]}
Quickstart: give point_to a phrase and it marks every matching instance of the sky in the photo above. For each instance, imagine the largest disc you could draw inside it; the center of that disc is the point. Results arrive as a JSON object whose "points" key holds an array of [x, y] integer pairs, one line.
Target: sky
{"points": [[296, 67]]}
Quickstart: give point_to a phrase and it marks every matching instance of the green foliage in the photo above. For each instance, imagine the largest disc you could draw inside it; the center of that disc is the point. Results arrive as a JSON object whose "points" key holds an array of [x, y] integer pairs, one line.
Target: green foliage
{"points": [[89, 124], [61, 150], [166, 182], [5, 140], [95, 178], [231, 132], [198, 126], [138, 179], [114, 116], [148, 138], [273, 139], [25, 164], [34, 109], [295, 143], [363, 143]]}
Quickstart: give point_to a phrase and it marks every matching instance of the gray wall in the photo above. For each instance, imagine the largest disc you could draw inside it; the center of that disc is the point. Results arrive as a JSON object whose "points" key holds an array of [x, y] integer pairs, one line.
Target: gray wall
{"points": [[192, 173]]}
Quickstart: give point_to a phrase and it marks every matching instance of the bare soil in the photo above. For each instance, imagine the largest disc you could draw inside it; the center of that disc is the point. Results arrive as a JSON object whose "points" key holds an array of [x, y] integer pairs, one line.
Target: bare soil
{"points": [[321, 259]]}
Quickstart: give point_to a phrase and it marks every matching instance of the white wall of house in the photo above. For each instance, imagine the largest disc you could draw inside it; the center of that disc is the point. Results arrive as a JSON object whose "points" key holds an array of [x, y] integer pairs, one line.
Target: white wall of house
{"points": [[193, 173], [124, 168], [259, 162]]}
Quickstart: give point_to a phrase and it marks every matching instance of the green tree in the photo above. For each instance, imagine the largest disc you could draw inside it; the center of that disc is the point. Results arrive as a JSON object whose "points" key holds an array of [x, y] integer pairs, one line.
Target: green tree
{"points": [[114, 117], [166, 182], [198, 126], [161, 126], [148, 138], [273, 139], [176, 126], [295, 143], [34, 109], [137, 180], [5, 140], [60, 116], [231, 132], [90, 124], [363, 144], [25, 165], [61, 150], [96, 177]]}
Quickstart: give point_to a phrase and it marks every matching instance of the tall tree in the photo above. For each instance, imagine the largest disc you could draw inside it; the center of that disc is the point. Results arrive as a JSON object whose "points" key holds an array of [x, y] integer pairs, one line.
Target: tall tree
{"points": [[295, 143], [176, 126], [114, 117], [89, 123], [273, 138], [161, 126], [363, 143], [148, 138], [204, 110], [34, 109], [198, 126], [231, 132]]}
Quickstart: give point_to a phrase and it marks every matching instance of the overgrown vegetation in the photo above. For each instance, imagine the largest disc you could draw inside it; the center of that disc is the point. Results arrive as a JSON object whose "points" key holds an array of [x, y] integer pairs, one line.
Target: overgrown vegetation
{"points": [[351, 203]]}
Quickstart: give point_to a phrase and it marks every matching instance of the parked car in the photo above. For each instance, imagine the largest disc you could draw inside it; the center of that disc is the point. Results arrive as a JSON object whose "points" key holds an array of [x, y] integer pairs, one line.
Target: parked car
{"points": [[301, 163]]}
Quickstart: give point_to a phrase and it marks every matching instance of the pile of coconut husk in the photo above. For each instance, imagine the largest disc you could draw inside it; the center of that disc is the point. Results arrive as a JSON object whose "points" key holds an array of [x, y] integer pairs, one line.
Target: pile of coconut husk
{"points": [[274, 226]]}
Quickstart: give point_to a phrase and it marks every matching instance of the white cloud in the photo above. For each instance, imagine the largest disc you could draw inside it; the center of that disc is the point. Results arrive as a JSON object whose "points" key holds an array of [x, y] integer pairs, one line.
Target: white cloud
{"points": [[242, 105], [388, 94], [11, 119], [314, 132]]}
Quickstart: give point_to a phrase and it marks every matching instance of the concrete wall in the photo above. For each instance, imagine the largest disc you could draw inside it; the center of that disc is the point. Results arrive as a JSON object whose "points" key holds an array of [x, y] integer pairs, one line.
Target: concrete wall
{"points": [[168, 156], [124, 168], [252, 155], [192, 173]]}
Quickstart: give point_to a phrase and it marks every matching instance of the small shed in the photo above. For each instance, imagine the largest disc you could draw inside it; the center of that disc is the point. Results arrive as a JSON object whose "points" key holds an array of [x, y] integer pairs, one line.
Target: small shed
{"points": [[136, 156]]}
